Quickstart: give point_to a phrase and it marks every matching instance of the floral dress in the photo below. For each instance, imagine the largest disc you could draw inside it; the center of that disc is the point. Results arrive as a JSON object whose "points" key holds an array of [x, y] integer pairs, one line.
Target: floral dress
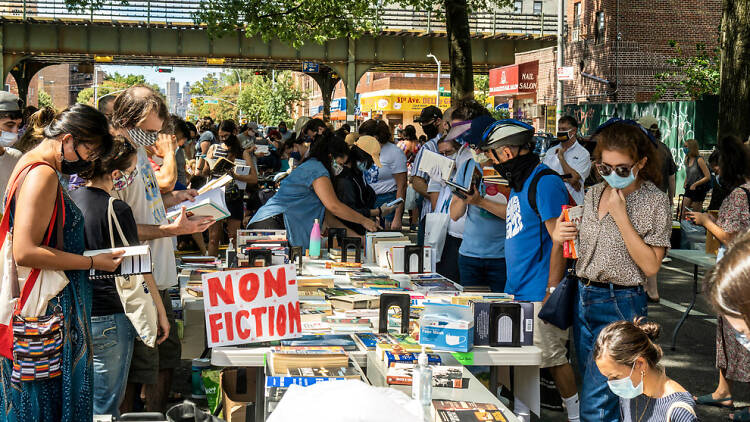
{"points": [[731, 356], [67, 398]]}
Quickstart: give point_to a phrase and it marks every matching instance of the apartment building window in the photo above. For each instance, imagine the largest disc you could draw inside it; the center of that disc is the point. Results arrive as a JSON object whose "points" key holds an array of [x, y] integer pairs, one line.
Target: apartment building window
{"points": [[538, 7], [576, 21], [518, 6], [599, 27]]}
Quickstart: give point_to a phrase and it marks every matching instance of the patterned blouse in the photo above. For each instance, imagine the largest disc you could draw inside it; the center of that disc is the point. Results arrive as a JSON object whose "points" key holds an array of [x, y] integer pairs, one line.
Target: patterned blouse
{"points": [[734, 213], [603, 256]]}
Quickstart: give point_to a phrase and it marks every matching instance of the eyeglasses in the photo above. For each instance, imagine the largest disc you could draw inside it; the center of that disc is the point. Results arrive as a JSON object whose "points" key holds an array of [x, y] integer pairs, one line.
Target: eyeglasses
{"points": [[621, 170]]}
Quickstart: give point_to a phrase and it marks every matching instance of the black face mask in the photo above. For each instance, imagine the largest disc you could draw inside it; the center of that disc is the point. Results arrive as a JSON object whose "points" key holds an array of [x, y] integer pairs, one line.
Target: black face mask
{"points": [[73, 167], [431, 130], [282, 129], [517, 169]]}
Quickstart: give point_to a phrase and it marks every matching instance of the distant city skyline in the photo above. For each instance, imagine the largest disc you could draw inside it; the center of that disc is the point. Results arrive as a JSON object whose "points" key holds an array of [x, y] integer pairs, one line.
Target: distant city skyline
{"points": [[181, 74]]}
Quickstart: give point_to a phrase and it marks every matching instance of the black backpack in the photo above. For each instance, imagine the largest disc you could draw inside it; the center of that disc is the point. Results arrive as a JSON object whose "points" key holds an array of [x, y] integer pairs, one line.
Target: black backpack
{"points": [[532, 200]]}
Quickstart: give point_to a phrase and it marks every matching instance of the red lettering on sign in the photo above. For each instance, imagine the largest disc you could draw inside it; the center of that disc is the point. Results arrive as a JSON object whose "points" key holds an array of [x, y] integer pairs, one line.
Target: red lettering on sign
{"points": [[257, 313], [294, 319], [249, 285], [230, 325], [281, 320], [242, 333], [271, 320], [215, 325], [216, 290], [275, 284]]}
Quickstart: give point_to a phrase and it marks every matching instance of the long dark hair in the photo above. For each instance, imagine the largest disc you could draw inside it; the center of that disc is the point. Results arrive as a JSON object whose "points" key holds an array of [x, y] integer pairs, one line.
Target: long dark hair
{"points": [[734, 167], [87, 126], [378, 129], [631, 140], [232, 142], [119, 158], [326, 147]]}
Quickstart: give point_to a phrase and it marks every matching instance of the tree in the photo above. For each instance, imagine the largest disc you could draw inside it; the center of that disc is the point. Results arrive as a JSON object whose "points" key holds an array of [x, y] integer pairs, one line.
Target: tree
{"points": [[44, 99], [734, 94], [265, 102], [693, 76], [112, 84]]}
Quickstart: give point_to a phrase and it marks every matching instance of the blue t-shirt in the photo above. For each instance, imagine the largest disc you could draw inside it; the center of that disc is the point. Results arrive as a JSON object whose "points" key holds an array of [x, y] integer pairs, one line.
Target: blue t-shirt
{"points": [[296, 199], [527, 274], [484, 232]]}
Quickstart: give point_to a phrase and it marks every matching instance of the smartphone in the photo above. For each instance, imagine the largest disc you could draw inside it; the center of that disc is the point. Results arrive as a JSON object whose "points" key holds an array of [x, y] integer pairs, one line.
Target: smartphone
{"points": [[394, 202]]}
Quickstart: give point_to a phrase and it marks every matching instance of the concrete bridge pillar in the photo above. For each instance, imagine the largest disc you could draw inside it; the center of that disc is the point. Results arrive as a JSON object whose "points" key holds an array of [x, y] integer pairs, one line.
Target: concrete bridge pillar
{"points": [[327, 80]]}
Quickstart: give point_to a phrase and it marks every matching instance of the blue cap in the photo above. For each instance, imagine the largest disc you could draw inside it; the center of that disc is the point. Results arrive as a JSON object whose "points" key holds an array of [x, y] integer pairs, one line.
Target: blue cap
{"points": [[473, 136]]}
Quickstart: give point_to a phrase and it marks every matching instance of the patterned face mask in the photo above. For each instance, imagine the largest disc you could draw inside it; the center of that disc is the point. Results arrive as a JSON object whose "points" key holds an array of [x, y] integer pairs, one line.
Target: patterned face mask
{"points": [[124, 180], [142, 138]]}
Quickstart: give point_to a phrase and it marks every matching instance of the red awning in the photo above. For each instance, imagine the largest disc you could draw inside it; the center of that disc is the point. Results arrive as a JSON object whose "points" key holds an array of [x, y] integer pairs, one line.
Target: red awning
{"points": [[514, 79]]}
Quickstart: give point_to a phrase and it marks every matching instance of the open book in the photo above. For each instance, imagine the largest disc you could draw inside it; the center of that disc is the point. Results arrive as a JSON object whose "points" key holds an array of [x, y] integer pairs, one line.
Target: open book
{"points": [[431, 160], [207, 204], [135, 260]]}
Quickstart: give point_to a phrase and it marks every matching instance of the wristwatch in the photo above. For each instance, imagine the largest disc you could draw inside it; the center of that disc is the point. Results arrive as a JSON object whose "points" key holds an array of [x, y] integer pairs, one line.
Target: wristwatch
{"points": [[551, 290]]}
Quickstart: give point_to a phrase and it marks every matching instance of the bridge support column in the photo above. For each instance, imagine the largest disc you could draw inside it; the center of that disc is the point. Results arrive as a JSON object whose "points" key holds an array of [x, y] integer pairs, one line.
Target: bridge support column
{"points": [[23, 72], [351, 83], [327, 81]]}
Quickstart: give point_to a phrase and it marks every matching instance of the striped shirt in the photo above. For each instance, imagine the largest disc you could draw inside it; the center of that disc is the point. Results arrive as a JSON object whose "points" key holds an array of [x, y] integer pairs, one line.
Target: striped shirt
{"points": [[648, 409], [430, 145]]}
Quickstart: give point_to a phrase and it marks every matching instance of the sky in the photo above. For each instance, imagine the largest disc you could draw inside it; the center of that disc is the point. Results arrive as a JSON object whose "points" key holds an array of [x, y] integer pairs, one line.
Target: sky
{"points": [[180, 74]]}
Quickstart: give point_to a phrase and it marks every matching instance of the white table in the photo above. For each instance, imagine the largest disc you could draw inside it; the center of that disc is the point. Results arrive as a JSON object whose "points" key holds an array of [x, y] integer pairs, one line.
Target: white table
{"points": [[475, 392]]}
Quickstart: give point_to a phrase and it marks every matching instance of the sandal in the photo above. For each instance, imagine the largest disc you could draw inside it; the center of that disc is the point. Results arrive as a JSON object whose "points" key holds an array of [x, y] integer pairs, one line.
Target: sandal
{"points": [[709, 400], [741, 415]]}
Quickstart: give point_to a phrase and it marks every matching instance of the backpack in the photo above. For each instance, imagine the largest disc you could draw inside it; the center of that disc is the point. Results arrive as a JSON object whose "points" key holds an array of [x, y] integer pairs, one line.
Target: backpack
{"points": [[532, 200]]}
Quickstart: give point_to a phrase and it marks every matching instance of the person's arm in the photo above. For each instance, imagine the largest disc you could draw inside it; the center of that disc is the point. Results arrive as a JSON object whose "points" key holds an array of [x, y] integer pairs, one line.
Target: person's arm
{"points": [[201, 167], [671, 187], [575, 179], [647, 257], [166, 176], [37, 196], [433, 197], [706, 174], [252, 177], [400, 193], [160, 310], [180, 226], [556, 259], [457, 208], [324, 189], [707, 221], [492, 207], [420, 185]]}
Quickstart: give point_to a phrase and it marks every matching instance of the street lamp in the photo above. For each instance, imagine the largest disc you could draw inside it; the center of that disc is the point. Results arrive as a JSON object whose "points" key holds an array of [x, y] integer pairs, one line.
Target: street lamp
{"points": [[239, 78], [437, 101]]}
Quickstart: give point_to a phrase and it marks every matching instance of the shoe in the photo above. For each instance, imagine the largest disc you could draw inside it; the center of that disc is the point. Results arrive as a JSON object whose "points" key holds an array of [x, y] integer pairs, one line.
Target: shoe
{"points": [[709, 400]]}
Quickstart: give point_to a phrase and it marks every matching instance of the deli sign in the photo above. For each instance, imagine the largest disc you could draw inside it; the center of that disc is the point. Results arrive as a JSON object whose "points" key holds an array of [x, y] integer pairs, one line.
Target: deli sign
{"points": [[514, 79]]}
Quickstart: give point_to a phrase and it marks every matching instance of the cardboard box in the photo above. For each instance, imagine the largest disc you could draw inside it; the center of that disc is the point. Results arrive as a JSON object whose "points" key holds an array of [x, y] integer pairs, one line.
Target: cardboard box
{"points": [[447, 327], [238, 393]]}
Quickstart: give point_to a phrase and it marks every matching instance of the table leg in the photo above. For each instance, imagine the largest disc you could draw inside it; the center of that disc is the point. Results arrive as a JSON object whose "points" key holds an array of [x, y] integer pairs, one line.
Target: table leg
{"points": [[689, 308], [526, 387], [260, 390]]}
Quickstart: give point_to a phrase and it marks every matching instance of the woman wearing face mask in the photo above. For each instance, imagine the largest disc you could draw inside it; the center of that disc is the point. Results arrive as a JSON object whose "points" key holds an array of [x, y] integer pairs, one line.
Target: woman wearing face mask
{"points": [[71, 142], [627, 354], [732, 359], [307, 193], [350, 185], [626, 220], [697, 177], [112, 331]]}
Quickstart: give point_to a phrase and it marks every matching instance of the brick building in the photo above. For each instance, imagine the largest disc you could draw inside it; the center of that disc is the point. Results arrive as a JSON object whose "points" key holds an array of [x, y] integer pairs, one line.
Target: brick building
{"points": [[610, 71], [63, 82]]}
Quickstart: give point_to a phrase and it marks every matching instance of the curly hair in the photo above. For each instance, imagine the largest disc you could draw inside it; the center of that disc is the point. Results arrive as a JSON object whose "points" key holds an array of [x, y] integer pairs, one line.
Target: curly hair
{"points": [[631, 140]]}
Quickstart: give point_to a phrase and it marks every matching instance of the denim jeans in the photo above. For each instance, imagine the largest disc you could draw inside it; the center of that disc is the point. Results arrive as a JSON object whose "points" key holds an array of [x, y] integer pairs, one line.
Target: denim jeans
{"points": [[384, 198], [112, 336], [482, 272], [596, 308]]}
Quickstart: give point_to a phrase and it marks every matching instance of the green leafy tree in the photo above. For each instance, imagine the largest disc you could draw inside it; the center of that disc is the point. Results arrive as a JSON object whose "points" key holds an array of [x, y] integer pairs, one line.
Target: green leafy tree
{"points": [[693, 75], [44, 99], [265, 102], [112, 84]]}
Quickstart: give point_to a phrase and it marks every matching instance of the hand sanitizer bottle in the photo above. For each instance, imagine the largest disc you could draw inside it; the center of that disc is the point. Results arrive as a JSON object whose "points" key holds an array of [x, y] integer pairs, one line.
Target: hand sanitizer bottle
{"points": [[315, 240], [421, 380], [231, 255]]}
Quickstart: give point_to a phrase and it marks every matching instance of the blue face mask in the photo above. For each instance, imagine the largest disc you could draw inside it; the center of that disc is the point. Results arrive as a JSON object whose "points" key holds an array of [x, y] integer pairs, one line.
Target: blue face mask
{"points": [[742, 339], [624, 387], [296, 155], [619, 182], [362, 167]]}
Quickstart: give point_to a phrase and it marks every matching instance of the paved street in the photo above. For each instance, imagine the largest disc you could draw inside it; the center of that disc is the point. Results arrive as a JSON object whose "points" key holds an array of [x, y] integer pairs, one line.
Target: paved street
{"points": [[693, 363]]}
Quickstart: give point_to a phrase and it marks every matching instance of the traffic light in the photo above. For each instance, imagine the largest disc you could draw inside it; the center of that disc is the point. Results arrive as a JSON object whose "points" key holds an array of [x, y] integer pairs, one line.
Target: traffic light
{"points": [[164, 69], [260, 73]]}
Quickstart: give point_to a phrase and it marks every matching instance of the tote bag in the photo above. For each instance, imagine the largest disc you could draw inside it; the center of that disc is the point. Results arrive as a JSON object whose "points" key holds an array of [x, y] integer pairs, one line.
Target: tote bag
{"points": [[436, 229], [134, 294]]}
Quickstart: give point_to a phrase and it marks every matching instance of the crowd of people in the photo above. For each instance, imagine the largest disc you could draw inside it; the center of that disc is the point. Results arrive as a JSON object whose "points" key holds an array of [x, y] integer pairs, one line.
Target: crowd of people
{"points": [[82, 169]]}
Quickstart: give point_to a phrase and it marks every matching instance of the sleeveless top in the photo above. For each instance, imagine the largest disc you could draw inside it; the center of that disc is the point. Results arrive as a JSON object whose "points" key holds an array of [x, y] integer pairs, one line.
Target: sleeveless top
{"points": [[693, 172]]}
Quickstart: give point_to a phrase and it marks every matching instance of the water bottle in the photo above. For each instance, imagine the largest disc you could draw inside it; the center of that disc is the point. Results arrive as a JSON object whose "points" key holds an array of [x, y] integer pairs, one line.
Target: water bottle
{"points": [[421, 381], [314, 250]]}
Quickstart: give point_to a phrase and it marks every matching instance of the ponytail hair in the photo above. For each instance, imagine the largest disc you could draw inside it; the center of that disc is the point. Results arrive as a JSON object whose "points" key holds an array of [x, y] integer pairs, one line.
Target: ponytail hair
{"points": [[625, 341], [35, 125]]}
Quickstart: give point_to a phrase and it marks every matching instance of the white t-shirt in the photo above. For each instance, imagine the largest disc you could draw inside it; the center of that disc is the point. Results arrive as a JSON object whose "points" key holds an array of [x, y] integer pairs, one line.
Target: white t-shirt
{"points": [[393, 161], [8, 162], [578, 158], [144, 199]]}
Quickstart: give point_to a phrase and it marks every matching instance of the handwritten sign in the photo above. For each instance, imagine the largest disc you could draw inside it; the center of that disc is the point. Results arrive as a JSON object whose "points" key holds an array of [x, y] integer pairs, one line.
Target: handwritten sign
{"points": [[251, 305]]}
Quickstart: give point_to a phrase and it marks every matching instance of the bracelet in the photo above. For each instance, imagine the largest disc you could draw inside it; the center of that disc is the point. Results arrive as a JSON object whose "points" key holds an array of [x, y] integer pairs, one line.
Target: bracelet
{"points": [[91, 265]]}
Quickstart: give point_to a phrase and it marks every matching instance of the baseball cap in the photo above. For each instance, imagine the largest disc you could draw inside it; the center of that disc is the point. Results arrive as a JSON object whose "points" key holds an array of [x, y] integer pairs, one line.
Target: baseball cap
{"points": [[351, 138], [648, 122], [428, 114], [506, 132], [9, 102], [371, 146], [478, 125], [457, 129]]}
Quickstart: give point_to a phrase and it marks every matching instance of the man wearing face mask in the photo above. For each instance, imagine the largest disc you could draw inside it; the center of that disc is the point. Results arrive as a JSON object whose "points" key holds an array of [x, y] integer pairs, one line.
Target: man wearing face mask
{"points": [[10, 122], [285, 134], [569, 158], [535, 264], [431, 120]]}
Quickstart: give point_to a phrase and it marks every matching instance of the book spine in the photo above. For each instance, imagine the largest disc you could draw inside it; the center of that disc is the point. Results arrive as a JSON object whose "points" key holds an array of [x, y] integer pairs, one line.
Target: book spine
{"points": [[283, 381], [398, 380]]}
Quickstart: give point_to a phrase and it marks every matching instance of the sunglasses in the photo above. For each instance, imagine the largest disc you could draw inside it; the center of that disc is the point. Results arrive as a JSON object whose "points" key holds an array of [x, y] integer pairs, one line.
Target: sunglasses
{"points": [[621, 170]]}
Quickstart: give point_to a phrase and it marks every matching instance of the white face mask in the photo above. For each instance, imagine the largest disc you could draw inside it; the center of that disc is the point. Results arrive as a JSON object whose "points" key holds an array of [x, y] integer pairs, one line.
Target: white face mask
{"points": [[8, 139]]}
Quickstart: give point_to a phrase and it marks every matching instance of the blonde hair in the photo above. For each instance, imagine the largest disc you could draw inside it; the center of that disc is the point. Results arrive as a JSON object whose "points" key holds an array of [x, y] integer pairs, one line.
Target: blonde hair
{"points": [[692, 146]]}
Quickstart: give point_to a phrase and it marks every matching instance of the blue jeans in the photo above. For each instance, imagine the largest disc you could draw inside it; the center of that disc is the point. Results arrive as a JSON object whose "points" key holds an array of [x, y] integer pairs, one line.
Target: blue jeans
{"points": [[482, 272], [596, 308], [383, 199], [112, 336]]}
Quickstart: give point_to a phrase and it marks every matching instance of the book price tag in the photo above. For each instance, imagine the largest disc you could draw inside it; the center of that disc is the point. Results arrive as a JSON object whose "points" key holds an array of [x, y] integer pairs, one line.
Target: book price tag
{"points": [[466, 359]]}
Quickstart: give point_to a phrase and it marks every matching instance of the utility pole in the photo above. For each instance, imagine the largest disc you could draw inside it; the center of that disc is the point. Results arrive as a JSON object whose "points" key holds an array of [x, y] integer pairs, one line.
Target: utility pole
{"points": [[96, 90], [559, 96], [437, 62]]}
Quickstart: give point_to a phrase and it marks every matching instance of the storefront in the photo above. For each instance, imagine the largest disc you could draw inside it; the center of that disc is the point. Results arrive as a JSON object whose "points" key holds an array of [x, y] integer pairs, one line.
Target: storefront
{"points": [[399, 107], [515, 87], [338, 110]]}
